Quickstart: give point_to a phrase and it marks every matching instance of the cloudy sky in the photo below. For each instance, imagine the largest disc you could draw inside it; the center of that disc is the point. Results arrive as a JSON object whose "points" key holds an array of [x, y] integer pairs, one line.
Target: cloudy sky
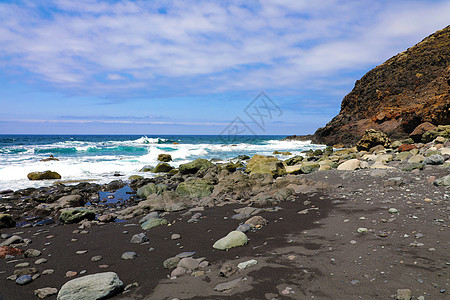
{"points": [[192, 67]]}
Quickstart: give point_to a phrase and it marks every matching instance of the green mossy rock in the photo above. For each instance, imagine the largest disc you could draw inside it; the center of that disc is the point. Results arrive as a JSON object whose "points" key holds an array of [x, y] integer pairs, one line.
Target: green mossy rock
{"points": [[260, 164], [194, 166], [233, 239], [148, 189], [153, 223], [195, 189], [372, 138], [75, 215], [162, 168], [293, 160], [43, 175], [165, 157], [413, 166], [441, 130], [309, 167]]}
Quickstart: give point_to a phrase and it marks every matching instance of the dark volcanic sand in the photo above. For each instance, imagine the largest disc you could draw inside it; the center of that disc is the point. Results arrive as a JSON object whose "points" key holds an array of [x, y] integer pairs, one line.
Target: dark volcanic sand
{"points": [[311, 254]]}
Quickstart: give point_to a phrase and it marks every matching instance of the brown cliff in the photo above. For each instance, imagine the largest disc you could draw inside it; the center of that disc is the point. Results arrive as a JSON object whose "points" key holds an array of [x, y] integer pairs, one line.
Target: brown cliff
{"points": [[410, 88]]}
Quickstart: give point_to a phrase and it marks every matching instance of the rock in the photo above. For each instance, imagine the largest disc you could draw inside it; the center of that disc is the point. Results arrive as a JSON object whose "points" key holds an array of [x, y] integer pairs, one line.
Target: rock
{"points": [[48, 272], [411, 167], [107, 218], [25, 271], [146, 168], [40, 261], [362, 230], [256, 221], [434, 160], [188, 263], [233, 239], [195, 189], [246, 264], [404, 294], [296, 169], [162, 168], [294, 160], [260, 164], [441, 130], [226, 286], [70, 201], [406, 147], [6, 221], [134, 177], [129, 255], [417, 133], [153, 223], [444, 181], [149, 216], [309, 167], [95, 286], [393, 210], [227, 270], [75, 215], [50, 158], [45, 292], [22, 265], [349, 165], [415, 159], [244, 228], [15, 239], [43, 175], [139, 238], [175, 236], [96, 258], [194, 166], [24, 279], [165, 157], [372, 138], [445, 151], [178, 271], [171, 262], [148, 189], [440, 140]]}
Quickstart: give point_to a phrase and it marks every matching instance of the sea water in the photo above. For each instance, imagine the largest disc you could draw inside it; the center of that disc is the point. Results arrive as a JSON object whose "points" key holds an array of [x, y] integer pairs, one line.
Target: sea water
{"points": [[100, 158]]}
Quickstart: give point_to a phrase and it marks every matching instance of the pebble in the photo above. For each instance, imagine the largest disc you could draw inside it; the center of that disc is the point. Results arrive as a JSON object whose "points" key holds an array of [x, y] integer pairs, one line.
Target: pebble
{"points": [[139, 238], [352, 242], [22, 265], [71, 273], [103, 266], [24, 279], [246, 264], [81, 252], [40, 261], [393, 210], [129, 255], [48, 272], [45, 292], [96, 258], [32, 253], [362, 230], [175, 236]]}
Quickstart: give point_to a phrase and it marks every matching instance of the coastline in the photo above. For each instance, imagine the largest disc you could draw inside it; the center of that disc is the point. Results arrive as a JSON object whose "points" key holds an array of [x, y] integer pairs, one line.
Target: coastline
{"points": [[309, 248]]}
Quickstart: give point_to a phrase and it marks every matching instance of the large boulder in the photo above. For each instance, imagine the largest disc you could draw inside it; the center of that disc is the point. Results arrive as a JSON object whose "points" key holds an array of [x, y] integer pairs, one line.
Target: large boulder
{"points": [[233, 239], [372, 138], [95, 286], [349, 165], [167, 201], [194, 166], [75, 215], [162, 168], [43, 175], [165, 157], [151, 188], [260, 164], [195, 189], [6, 221], [417, 133], [441, 130]]}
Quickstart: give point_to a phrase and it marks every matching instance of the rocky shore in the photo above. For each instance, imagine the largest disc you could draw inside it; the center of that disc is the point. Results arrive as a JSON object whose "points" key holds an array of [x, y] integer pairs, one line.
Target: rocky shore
{"points": [[368, 222]]}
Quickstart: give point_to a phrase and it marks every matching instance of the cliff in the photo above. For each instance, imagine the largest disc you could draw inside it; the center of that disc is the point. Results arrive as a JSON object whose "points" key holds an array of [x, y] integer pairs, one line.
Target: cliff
{"points": [[408, 89]]}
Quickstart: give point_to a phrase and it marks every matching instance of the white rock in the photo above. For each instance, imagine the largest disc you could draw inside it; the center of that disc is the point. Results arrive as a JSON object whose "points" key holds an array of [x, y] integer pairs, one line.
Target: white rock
{"points": [[95, 286], [246, 264]]}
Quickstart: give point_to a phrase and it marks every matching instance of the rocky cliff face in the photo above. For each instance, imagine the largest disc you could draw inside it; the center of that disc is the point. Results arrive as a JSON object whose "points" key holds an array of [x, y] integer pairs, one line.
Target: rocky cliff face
{"points": [[410, 88]]}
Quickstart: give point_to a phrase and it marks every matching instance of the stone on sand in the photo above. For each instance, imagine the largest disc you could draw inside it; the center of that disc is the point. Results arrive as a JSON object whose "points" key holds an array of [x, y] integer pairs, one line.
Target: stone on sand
{"points": [[95, 286], [233, 239]]}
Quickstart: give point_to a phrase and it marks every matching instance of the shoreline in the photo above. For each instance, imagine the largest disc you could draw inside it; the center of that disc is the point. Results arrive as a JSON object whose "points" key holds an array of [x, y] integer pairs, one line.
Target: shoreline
{"points": [[310, 248]]}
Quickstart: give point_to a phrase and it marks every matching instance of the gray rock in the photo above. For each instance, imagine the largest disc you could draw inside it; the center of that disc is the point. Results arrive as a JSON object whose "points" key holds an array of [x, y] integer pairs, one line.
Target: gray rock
{"points": [[435, 159], [444, 181], [226, 286], [96, 258], [70, 201], [404, 294], [178, 271], [45, 292], [129, 255], [139, 238], [233, 239], [15, 239], [244, 228], [153, 223], [24, 279], [189, 263], [95, 286], [75, 215], [152, 215], [40, 261], [184, 254], [31, 253]]}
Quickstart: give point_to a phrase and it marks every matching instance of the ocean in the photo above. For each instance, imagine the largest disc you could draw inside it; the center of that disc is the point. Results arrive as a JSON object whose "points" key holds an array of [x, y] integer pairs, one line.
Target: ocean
{"points": [[100, 158]]}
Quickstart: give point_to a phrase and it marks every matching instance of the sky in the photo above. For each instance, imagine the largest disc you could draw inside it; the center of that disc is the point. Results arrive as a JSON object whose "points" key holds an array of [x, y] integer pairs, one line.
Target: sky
{"points": [[194, 67]]}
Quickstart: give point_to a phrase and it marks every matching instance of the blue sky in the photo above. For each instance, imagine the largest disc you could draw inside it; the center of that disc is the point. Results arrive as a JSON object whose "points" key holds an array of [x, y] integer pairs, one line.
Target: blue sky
{"points": [[192, 67]]}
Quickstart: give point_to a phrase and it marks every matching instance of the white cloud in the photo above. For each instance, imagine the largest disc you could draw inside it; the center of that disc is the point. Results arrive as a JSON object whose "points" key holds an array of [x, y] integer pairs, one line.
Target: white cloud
{"points": [[207, 46]]}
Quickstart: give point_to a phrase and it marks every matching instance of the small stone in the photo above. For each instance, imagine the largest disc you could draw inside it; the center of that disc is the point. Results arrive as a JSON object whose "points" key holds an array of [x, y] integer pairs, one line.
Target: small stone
{"points": [[12, 277], [81, 252], [246, 264], [71, 273], [96, 258], [103, 266], [139, 238], [31, 253], [393, 210], [227, 270], [404, 294], [189, 263], [175, 236], [178, 271], [40, 261], [22, 265], [171, 263], [129, 255], [24, 279], [45, 292], [352, 242], [362, 230], [198, 273], [48, 272]]}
